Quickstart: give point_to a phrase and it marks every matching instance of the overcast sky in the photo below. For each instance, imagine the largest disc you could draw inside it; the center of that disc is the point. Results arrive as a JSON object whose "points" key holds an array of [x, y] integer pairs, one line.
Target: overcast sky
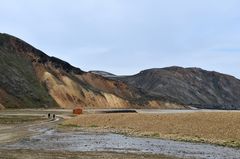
{"points": [[126, 36]]}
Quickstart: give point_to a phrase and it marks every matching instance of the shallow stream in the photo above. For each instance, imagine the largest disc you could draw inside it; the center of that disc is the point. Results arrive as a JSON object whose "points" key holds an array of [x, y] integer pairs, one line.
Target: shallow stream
{"points": [[50, 139]]}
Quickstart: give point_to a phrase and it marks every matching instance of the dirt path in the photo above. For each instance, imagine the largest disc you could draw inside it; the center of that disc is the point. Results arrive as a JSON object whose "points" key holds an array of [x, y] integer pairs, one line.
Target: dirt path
{"points": [[18, 142], [13, 132]]}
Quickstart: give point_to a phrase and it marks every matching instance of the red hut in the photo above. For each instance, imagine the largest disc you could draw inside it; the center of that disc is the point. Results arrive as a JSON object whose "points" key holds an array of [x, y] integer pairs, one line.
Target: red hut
{"points": [[77, 111]]}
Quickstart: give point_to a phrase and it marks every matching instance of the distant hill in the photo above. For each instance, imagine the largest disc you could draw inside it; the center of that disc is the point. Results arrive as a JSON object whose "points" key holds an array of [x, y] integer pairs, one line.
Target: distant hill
{"points": [[103, 73], [190, 86], [32, 79]]}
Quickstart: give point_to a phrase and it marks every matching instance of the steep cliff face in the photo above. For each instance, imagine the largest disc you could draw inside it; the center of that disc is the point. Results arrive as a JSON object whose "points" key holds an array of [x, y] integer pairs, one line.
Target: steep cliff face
{"points": [[31, 79], [190, 86]]}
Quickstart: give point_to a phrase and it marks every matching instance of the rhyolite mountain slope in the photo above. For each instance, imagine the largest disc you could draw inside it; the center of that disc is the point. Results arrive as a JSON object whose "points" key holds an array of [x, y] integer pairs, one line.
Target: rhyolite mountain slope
{"points": [[31, 79], [190, 86]]}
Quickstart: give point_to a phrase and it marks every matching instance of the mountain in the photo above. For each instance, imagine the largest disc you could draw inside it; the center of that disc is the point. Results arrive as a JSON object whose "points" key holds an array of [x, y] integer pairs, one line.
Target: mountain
{"points": [[32, 79], [103, 73], [189, 86]]}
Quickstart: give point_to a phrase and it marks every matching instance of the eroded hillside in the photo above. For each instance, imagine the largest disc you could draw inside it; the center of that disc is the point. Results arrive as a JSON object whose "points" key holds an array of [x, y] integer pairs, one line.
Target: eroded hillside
{"points": [[30, 78]]}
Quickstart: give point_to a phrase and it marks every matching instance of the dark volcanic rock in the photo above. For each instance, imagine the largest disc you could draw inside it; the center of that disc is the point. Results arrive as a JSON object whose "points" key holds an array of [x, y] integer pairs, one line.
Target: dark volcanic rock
{"points": [[15, 45], [19, 86], [191, 86]]}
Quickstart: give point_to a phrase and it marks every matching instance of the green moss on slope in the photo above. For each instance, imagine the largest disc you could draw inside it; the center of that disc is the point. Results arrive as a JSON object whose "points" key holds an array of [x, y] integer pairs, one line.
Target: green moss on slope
{"points": [[19, 82]]}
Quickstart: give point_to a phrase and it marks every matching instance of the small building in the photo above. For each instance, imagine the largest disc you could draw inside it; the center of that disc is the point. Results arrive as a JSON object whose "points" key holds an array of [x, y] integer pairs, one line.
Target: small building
{"points": [[77, 111]]}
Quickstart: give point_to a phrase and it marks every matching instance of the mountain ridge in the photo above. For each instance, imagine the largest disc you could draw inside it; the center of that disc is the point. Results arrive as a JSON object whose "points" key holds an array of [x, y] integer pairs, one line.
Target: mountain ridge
{"points": [[32, 79], [35, 76], [190, 86]]}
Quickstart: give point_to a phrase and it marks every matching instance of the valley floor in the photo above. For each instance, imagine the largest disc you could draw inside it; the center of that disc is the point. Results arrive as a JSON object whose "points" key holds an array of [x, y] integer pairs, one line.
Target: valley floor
{"points": [[215, 127], [30, 134]]}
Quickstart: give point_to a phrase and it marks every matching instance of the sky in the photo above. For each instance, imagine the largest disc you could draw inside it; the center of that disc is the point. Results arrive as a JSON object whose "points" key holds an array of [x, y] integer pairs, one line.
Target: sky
{"points": [[126, 36]]}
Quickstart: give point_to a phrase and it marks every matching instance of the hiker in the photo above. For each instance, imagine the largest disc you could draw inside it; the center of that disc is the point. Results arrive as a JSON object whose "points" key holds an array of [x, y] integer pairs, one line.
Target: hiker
{"points": [[54, 116], [49, 115]]}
